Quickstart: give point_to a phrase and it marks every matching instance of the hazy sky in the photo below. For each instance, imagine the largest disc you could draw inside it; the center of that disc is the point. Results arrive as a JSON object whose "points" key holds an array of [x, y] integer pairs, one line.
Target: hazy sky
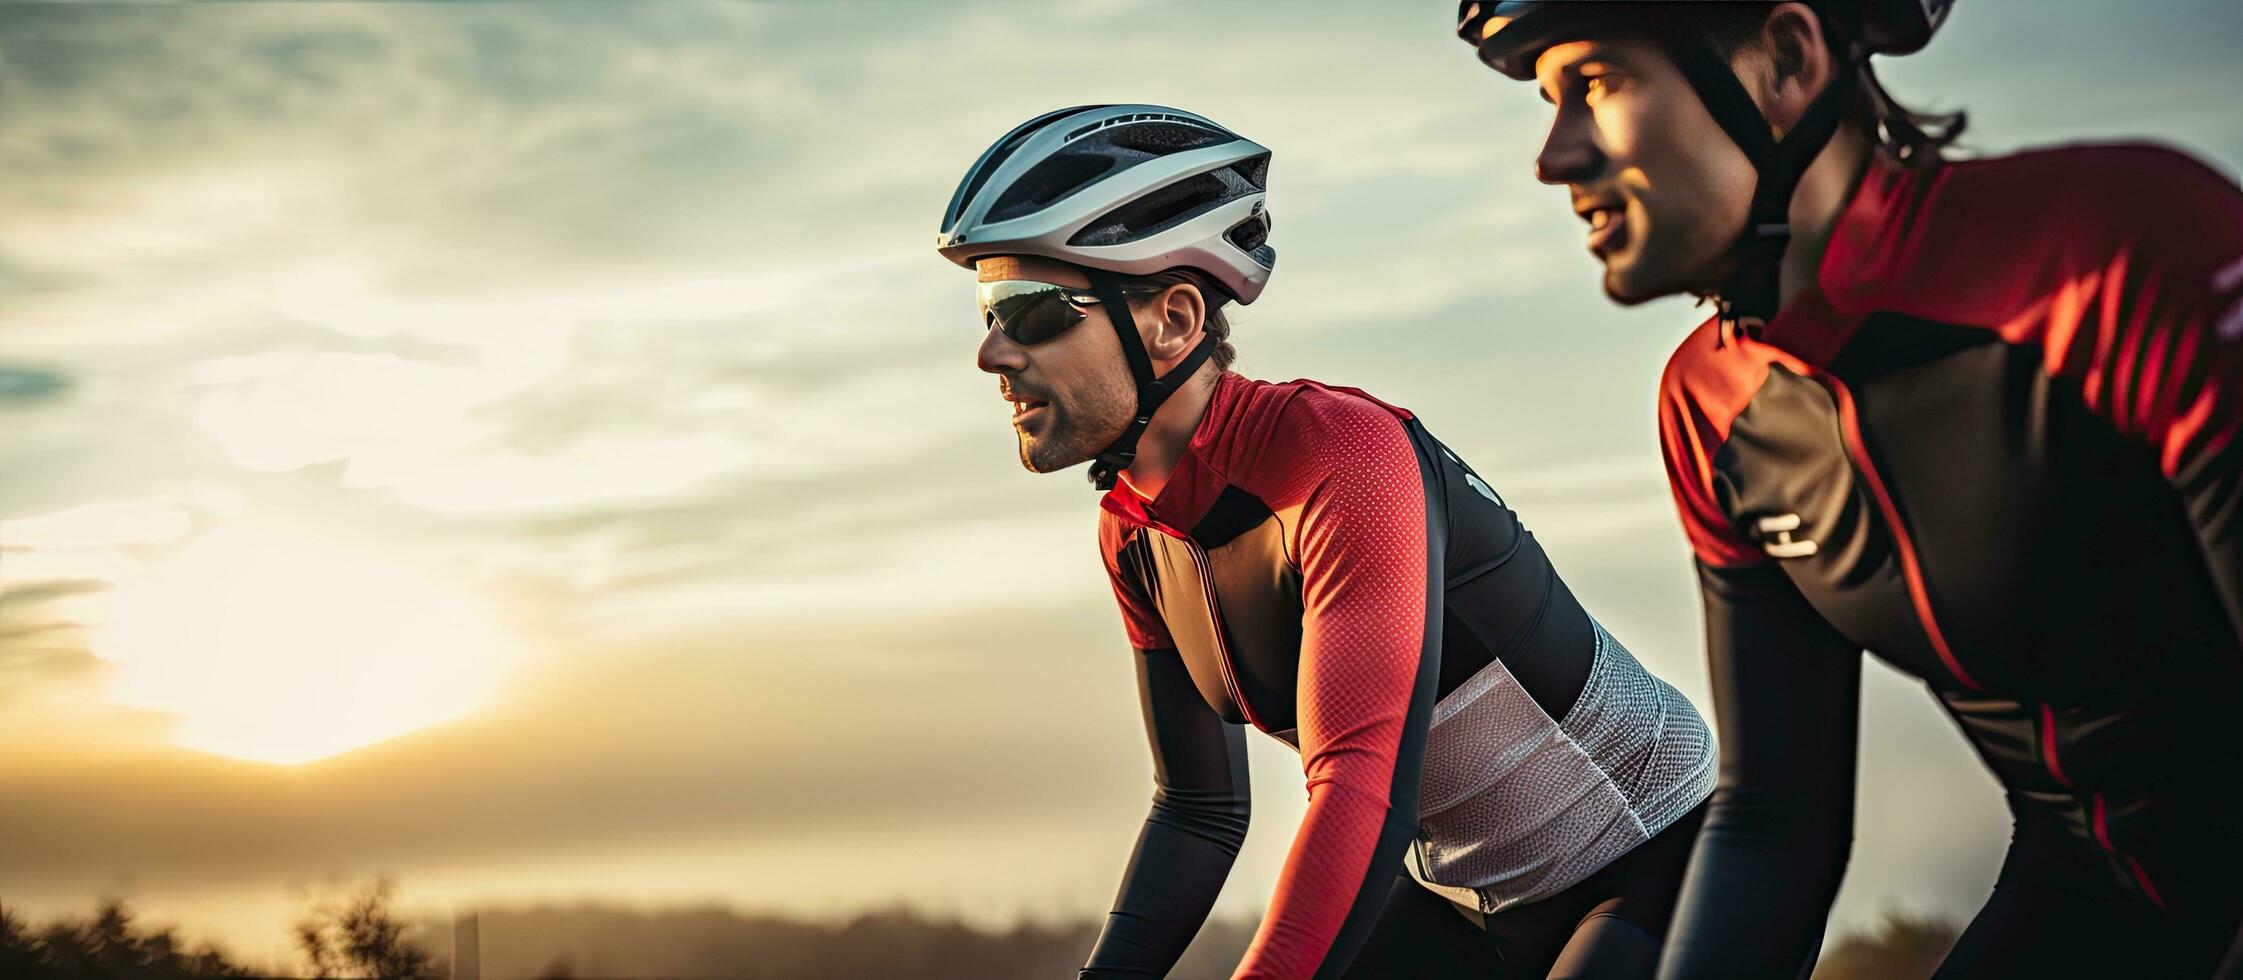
{"points": [[536, 451]]}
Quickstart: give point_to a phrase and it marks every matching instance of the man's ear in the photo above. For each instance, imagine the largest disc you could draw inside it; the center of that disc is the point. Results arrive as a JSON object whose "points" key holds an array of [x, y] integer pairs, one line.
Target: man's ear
{"points": [[1799, 64], [1179, 313]]}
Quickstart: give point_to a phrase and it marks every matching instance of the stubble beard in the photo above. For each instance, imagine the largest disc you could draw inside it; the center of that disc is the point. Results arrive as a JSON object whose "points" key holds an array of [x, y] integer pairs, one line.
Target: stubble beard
{"points": [[1078, 433]]}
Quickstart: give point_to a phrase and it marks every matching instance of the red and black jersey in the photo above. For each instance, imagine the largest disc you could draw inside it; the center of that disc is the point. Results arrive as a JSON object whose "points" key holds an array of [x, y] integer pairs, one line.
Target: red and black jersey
{"points": [[1998, 443], [1320, 567]]}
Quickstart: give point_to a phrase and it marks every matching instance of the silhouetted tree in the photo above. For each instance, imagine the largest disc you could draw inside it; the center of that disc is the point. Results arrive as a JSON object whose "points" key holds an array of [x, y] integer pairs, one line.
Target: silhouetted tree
{"points": [[105, 947], [17, 958], [358, 936], [1903, 947]]}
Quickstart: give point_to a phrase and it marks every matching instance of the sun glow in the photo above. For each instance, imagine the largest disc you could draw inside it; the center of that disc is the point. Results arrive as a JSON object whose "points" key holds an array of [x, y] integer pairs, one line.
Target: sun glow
{"points": [[283, 650]]}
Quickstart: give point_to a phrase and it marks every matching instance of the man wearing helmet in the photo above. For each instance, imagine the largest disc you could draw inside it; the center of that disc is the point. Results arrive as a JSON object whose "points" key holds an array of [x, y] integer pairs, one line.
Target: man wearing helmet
{"points": [[1984, 419], [1496, 786]]}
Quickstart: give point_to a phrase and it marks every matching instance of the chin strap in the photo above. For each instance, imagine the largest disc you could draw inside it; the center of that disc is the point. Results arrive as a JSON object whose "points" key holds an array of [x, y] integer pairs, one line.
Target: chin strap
{"points": [[1151, 391], [1752, 294]]}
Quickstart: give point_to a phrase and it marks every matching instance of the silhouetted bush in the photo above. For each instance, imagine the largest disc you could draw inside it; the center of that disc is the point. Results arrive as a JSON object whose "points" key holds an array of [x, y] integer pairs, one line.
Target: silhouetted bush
{"points": [[105, 947], [357, 936], [1903, 947], [600, 941]]}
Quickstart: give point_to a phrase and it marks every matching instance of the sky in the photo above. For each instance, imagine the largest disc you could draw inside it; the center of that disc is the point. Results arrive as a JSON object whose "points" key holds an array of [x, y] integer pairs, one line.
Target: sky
{"points": [[535, 451]]}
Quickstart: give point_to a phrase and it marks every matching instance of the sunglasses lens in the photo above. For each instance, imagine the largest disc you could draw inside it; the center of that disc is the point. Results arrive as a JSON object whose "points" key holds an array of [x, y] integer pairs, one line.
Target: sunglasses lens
{"points": [[1028, 312]]}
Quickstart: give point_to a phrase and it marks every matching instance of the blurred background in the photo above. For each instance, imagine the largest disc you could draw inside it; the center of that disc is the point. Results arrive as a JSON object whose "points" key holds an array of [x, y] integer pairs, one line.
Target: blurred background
{"points": [[534, 451]]}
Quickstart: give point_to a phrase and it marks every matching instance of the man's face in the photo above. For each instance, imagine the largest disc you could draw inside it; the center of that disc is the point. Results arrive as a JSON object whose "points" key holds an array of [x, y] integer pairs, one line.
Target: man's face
{"points": [[1663, 189], [1070, 396]]}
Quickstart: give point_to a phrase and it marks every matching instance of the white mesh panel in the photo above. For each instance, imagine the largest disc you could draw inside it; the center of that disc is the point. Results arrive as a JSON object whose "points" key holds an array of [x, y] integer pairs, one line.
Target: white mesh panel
{"points": [[1516, 807]]}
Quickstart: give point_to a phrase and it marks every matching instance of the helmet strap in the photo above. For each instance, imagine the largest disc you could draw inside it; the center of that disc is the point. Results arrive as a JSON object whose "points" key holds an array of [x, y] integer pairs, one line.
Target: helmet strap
{"points": [[1752, 293], [1151, 391]]}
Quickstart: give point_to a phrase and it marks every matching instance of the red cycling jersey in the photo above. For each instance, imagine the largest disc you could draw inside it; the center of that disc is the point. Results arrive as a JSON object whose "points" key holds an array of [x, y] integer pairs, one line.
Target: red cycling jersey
{"points": [[1320, 567], [1999, 443], [1309, 454]]}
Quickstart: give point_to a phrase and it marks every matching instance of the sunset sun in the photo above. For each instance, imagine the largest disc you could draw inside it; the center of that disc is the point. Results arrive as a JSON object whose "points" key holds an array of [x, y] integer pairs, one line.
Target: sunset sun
{"points": [[284, 650]]}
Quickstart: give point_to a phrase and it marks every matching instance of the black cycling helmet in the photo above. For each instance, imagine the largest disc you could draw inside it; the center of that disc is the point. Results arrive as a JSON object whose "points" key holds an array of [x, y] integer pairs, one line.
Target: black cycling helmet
{"points": [[1511, 35]]}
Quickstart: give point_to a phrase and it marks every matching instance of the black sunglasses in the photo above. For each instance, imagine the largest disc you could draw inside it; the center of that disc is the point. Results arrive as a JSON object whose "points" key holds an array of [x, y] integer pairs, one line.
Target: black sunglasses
{"points": [[1031, 312]]}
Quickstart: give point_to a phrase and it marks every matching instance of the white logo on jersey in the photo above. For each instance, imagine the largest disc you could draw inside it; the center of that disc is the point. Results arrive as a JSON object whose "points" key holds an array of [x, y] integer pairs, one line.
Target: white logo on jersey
{"points": [[2231, 323], [1480, 485], [1776, 539], [1473, 479]]}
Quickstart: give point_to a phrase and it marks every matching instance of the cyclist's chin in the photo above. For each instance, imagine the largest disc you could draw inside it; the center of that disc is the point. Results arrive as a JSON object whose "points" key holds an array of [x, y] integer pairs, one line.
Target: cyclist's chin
{"points": [[1636, 275], [1621, 288], [1038, 457], [1051, 446]]}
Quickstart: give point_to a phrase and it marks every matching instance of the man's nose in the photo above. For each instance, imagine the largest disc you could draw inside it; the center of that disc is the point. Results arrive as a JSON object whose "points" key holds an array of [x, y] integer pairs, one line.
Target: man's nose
{"points": [[1569, 154], [998, 354]]}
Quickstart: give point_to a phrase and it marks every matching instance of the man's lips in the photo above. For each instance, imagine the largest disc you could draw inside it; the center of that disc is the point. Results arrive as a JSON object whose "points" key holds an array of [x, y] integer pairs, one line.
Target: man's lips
{"points": [[1607, 224], [1022, 403]]}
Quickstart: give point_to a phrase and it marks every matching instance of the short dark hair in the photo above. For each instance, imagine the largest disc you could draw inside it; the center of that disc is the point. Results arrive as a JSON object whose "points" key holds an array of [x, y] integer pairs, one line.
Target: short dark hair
{"points": [[1908, 135], [1217, 323]]}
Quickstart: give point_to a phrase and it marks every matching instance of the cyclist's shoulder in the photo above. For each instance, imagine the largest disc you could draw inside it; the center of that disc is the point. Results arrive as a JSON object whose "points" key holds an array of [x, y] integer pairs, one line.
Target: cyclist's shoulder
{"points": [[1710, 374], [2088, 193], [1314, 403], [2123, 170], [1301, 422]]}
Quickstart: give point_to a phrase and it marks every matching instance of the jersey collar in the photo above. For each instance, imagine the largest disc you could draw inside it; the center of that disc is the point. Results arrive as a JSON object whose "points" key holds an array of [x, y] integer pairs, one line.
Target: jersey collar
{"points": [[1869, 232], [1182, 499]]}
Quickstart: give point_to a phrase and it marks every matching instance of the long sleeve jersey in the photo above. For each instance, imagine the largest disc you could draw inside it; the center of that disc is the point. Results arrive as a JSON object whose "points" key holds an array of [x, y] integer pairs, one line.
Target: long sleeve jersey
{"points": [[1998, 443], [1319, 567]]}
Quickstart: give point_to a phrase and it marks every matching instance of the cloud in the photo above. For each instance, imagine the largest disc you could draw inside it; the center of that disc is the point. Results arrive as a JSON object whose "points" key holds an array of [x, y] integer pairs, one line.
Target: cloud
{"points": [[29, 385], [38, 648], [624, 320]]}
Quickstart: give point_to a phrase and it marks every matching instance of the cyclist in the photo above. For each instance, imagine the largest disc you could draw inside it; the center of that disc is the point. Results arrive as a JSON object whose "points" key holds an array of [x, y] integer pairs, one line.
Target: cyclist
{"points": [[1308, 560], [1984, 419]]}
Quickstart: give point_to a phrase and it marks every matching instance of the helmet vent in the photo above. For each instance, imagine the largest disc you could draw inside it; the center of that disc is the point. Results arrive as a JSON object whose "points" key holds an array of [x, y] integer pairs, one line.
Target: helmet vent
{"points": [[1163, 138], [1254, 171], [1048, 181], [981, 176], [1161, 209], [996, 157], [1164, 208], [1249, 234]]}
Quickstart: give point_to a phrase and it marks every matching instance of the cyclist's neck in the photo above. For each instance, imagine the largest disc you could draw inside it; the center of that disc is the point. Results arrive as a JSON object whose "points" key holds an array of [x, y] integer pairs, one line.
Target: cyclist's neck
{"points": [[1171, 431], [1816, 206]]}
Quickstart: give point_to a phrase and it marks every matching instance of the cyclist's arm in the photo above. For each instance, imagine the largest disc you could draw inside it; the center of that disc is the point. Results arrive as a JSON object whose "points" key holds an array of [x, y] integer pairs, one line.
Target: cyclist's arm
{"points": [[1786, 693], [1197, 822], [1369, 665]]}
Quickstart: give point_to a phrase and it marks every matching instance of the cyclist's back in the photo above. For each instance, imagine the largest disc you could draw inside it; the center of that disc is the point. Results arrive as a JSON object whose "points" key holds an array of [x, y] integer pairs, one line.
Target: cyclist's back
{"points": [[1980, 418], [2042, 331], [1310, 561], [1320, 567]]}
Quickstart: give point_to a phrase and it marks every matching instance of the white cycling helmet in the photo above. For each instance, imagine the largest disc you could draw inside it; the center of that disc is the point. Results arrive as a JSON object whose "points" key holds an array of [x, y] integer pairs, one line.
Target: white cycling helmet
{"points": [[1121, 190], [1129, 189]]}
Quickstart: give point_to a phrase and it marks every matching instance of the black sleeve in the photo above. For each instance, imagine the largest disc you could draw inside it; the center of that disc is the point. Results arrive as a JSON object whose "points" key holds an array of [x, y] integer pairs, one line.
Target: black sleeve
{"points": [[1787, 697], [1198, 820]]}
